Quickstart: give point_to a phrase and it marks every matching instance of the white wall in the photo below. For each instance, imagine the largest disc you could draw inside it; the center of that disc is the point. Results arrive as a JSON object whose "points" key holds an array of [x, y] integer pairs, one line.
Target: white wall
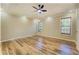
{"points": [[78, 29], [0, 29], [0, 36], [14, 27], [52, 26]]}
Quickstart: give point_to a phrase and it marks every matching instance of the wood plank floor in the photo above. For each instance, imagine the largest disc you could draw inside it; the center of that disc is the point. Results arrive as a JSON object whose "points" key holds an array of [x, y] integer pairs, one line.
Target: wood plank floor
{"points": [[38, 45]]}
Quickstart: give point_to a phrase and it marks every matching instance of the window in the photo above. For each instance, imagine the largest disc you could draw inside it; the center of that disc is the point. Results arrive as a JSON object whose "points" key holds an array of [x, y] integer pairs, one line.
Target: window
{"points": [[40, 26], [66, 25]]}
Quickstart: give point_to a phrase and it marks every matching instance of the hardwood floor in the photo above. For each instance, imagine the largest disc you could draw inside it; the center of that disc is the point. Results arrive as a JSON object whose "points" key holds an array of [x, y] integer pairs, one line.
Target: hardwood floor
{"points": [[38, 45]]}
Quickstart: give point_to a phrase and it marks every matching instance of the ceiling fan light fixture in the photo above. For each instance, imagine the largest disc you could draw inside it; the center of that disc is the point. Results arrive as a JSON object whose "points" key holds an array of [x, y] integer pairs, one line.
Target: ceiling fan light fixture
{"points": [[39, 11]]}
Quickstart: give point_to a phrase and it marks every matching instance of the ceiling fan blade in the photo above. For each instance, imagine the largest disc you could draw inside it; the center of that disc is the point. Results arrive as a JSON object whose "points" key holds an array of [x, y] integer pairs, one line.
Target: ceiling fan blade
{"points": [[44, 10], [42, 6], [39, 6], [35, 7]]}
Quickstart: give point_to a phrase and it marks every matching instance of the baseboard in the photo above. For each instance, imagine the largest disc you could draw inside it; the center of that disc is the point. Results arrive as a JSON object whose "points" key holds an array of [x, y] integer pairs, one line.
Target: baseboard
{"points": [[16, 38], [38, 35], [58, 38]]}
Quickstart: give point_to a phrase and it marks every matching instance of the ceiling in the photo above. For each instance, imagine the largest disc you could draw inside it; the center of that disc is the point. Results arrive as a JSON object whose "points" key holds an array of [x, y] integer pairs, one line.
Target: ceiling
{"points": [[22, 9]]}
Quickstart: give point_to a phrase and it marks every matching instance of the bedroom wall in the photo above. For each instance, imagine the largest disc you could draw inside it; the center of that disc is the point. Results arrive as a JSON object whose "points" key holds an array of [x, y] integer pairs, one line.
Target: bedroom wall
{"points": [[0, 23], [0, 34], [78, 31], [0, 29], [14, 27], [52, 26], [77, 27]]}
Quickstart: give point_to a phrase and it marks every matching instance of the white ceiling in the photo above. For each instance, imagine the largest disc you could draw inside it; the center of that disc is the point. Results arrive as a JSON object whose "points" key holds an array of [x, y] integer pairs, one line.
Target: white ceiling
{"points": [[20, 9]]}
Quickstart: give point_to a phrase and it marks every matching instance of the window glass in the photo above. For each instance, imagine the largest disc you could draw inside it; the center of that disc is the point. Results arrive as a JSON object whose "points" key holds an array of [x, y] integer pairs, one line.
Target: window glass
{"points": [[66, 25]]}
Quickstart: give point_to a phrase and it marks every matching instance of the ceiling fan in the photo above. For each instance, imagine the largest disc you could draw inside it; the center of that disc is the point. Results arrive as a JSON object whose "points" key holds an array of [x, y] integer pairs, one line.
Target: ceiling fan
{"points": [[40, 8]]}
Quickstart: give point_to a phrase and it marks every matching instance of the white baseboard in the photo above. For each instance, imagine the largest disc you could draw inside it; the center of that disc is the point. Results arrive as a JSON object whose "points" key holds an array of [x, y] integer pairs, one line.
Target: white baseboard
{"points": [[39, 35], [16, 38], [58, 38]]}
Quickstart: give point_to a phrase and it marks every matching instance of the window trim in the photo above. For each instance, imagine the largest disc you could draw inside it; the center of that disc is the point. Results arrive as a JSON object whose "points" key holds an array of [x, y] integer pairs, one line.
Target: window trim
{"points": [[69, 26]]}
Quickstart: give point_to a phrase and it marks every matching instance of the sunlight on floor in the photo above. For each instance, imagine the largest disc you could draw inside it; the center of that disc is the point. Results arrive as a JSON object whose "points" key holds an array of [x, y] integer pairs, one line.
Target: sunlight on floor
{"points": [[66, 49], [39, 43]]}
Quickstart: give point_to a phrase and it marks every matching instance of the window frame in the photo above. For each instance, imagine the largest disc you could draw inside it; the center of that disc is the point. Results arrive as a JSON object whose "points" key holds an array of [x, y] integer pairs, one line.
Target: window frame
{"points": [[65, 26]]}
